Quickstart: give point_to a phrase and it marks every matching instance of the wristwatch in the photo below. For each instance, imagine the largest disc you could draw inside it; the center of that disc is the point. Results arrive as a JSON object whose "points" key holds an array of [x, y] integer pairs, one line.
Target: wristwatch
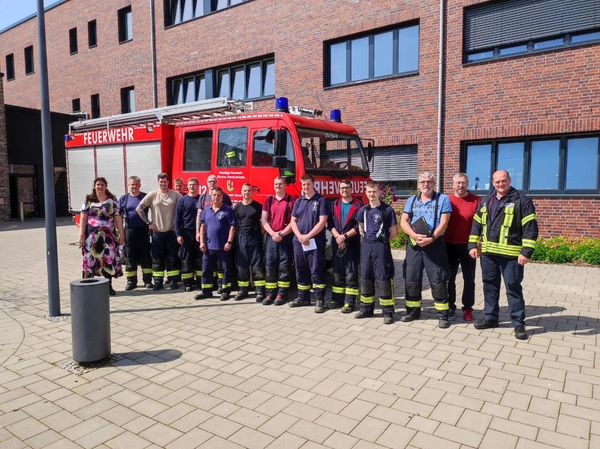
{"points": [[231, 243], [345, 236], [280, 234]]}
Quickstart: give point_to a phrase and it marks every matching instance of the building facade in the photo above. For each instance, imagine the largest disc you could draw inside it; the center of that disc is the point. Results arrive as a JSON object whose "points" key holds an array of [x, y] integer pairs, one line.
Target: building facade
{"points": [[526, 99], [4, 182]]}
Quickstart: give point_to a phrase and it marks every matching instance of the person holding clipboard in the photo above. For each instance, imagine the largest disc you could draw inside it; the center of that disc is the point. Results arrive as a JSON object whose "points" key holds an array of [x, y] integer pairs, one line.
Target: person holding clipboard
{"points": [[309, 219], [424, 219]]}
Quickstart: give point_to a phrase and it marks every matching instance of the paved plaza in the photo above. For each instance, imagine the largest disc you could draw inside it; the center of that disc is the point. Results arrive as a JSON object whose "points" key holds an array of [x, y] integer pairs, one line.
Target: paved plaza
{"points": [[238, 374]]}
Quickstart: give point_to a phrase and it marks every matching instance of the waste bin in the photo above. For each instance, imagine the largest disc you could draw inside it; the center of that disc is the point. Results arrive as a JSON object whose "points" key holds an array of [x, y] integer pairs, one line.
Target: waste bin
{"points": [[90, 320]]}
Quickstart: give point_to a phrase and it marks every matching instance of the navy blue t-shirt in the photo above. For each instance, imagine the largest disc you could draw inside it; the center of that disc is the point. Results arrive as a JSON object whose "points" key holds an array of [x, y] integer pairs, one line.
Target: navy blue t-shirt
{"points": [[217, 226], [185, 214], [132, 219], [375, 217], [307, 213], [205, 201]]}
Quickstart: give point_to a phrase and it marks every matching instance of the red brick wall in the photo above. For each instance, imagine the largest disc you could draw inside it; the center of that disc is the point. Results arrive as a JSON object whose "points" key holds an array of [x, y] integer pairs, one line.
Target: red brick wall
{"points": [[4, 175], [553, 92]]}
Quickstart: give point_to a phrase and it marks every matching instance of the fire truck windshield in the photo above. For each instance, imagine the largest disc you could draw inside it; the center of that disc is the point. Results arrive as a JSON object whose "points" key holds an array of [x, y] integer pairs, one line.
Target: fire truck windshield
{"points": [[329, 152]]}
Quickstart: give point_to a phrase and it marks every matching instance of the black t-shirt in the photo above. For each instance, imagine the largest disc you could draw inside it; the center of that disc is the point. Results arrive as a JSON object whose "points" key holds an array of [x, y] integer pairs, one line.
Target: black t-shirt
{"points": [[248, 217]]}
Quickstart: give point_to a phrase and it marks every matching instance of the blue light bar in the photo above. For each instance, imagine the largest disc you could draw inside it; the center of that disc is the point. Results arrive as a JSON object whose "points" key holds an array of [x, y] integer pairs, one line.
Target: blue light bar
{"points": [[335, 115], [281, 104]]}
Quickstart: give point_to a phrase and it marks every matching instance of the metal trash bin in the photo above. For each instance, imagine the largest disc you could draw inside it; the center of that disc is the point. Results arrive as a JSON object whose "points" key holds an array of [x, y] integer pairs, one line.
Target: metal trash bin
{"points": [[90, 319]]}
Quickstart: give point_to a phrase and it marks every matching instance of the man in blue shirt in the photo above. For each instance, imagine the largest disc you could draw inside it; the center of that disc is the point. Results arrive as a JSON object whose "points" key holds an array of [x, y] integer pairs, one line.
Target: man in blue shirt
{"points": [[309, 219], [424, 219], [378, 225], [185, 229], [217, 230], [137, 236]]}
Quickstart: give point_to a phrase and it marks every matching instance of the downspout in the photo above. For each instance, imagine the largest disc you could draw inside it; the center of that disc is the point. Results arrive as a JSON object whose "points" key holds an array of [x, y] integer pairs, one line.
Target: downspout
{"points": [[440, 105], [153, 55]]}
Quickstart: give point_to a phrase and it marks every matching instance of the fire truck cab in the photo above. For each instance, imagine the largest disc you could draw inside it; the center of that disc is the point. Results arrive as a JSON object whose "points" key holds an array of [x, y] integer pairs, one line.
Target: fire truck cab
{"points": [[218, 137]]}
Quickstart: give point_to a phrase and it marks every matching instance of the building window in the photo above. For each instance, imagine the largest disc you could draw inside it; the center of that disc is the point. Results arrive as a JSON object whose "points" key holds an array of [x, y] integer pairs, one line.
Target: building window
{"points": [[125, 24], [511, 27], [396, 167], [92, 34], [73, 40], [76, 105], [564, 164], [376, 55], [95, 101], [10, 67], [28, 60], [178, 11], [250, 80], [198, 151], [127, 99]]}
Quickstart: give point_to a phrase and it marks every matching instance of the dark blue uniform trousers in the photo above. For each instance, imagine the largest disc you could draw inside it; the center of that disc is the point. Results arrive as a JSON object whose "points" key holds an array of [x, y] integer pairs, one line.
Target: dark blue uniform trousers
{"points": [[376, 277], [209, 265], [492, 269], [164, 256], [310, 269], [191, 263], [279, 260], [249, 260], [344, 289]]}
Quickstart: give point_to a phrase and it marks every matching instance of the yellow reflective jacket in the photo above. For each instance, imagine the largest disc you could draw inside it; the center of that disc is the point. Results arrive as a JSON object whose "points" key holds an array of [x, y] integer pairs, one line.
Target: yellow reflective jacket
{"points": [[513, 229]]}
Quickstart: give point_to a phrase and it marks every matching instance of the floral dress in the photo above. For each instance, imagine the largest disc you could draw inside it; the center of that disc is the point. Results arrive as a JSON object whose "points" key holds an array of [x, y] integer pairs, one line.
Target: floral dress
{"points": [[100, 252]]}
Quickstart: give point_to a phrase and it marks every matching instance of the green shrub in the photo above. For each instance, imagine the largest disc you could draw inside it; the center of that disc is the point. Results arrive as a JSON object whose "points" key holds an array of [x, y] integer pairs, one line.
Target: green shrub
{"points": [[568, 249], [400, 241]]}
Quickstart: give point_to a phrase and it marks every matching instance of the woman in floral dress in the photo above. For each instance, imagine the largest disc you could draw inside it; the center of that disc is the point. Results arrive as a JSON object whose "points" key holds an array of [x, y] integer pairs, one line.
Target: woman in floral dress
{"points": [[100, 215]]}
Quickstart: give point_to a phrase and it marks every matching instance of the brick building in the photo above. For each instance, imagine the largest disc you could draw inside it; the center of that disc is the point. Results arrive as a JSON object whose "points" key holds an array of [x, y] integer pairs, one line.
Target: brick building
{"points": [[4, 193], [520, 85]]}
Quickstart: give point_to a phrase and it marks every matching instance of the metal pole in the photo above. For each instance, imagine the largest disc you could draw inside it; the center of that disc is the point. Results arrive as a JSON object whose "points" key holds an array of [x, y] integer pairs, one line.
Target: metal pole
{"points": [[49, 206]]}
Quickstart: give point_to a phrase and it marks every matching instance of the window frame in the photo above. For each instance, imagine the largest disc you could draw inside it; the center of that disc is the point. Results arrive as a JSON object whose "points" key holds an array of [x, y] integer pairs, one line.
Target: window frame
{"points": [[95, 111], [170, 9], [74, 102], [123, 28], [92, 33], [29, 60], [370, 35], [212, 149], [561, 191], [218, 143], [73, 44], [10, 66]]}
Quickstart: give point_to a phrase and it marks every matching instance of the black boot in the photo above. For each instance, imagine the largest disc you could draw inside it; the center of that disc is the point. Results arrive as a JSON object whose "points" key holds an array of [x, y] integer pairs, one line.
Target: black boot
{"points": [[131, 284], [366, 311], [260, 293], [388, 315], [241, 294], [319, 306], [412, 314], [111, 290]]}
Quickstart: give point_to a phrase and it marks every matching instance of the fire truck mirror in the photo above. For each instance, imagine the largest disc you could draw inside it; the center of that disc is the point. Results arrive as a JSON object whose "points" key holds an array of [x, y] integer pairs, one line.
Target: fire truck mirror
{"points": [[370, 151], [280, 161], [265, 134]]}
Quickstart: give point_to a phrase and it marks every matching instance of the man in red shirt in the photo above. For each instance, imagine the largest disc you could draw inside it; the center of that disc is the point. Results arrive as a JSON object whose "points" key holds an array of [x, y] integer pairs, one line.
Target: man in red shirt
{"points": [[464, 206], [279, 256]]}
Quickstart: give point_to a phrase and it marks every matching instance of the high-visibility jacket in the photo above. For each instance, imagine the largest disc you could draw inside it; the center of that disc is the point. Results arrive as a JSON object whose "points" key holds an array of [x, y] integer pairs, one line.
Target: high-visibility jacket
{"points": [[513, 229]]}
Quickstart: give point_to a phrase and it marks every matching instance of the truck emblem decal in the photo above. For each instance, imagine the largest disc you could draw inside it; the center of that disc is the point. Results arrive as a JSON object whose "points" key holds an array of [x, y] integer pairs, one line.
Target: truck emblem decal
{"points": [[230, 185]]}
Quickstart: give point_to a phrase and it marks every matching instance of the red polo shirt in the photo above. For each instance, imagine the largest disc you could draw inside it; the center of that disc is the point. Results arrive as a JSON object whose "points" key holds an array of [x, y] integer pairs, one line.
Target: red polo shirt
{"points": [[461, 219], [279, 211]]}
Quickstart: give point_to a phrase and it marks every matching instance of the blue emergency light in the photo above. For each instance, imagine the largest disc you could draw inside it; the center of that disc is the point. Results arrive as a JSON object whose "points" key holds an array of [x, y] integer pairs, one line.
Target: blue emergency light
{"points": [[281, 104], [335, 115]]}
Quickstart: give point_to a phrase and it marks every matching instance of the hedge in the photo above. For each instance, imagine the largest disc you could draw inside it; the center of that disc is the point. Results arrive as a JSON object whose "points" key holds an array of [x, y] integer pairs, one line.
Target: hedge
{"points": [[568, 249]]}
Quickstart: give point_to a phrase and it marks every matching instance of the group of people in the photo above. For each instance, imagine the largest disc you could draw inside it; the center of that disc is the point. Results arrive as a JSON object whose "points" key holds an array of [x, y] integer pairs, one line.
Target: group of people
{"points": [[205, 242]]}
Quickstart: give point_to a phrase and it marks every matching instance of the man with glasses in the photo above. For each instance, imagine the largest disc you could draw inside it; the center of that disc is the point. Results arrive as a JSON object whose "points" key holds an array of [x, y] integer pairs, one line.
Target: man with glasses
{"points": [[424, 219], [345, 241]]}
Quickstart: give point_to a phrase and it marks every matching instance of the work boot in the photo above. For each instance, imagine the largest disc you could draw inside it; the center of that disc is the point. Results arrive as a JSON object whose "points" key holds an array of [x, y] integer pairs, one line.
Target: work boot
{"points": [[260, 293], [348, 308], [188, 287], [319, 306], [362, 313], [241, 294], [268, 300], [111, 290], [485, 324], [281, 299], [443, 323], [333, 305], [520, 333], [224, 296], [158, 285], [299, 302], [468, 314], [451, 314], [388, 319], [411, 315], [203, 295], [131, 284], [174, 285], [148, 285]]}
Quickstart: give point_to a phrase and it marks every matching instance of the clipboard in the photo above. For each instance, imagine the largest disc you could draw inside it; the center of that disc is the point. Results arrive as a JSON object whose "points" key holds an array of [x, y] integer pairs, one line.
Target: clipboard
{"points": [[420, 226]]}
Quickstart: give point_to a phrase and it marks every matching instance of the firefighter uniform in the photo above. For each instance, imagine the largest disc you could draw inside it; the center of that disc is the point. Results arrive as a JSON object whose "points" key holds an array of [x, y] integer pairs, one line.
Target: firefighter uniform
{"points": [[376, 262], [310, 265], [505, 228], [249, 249], [279, 256], [137, 242], [432, 258], [344, 290], [189, 254], [217, 224]]}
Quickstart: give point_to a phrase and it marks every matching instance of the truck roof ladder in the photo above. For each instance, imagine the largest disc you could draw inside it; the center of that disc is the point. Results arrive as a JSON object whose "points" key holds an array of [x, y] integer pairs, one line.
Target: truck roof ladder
{"points": [[165, 114]]}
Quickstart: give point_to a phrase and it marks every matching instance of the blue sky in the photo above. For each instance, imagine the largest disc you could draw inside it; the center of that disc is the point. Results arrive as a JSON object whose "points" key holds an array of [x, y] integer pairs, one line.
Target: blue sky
{"points": [[12, 11]]}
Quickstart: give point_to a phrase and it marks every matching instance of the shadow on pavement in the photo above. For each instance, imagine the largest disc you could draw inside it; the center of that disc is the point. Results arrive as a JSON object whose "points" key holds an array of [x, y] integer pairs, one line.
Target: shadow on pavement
{"points": [[34, 223], [146, 357]]}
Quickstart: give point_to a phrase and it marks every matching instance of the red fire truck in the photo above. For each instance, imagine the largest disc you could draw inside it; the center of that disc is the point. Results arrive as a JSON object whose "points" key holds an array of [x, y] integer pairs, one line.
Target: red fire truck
{"points": [[217, 136]]}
